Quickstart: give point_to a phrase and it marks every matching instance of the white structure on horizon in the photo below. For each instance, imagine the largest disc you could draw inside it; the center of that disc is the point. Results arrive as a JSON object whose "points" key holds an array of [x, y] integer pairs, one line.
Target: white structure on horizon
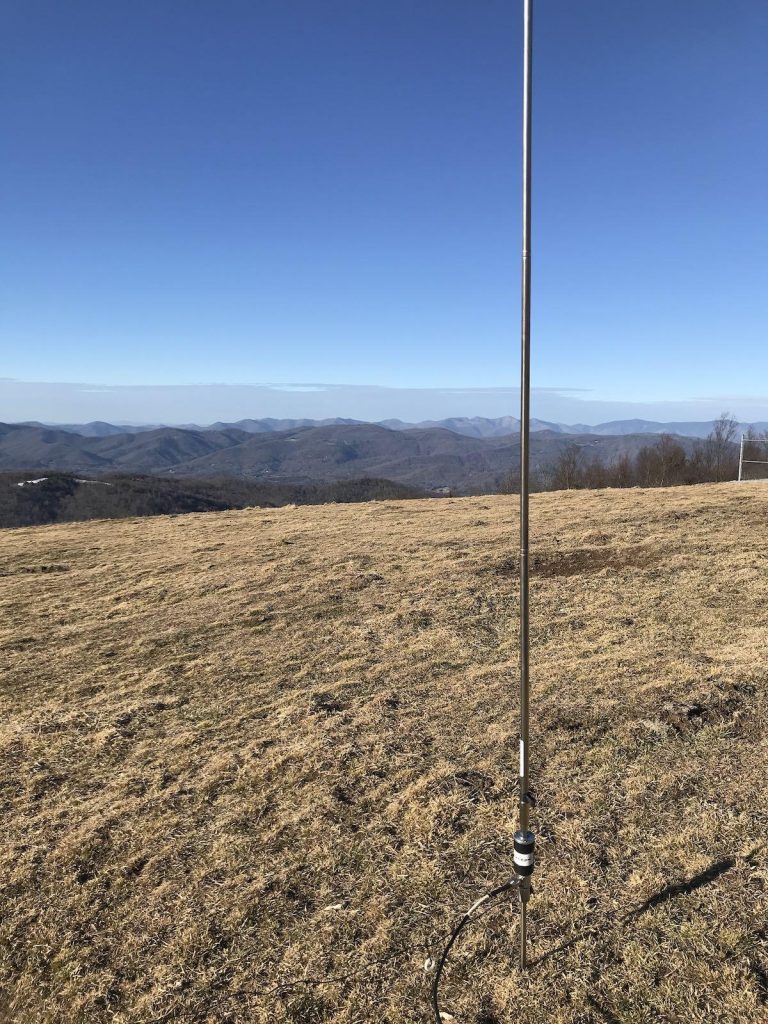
{"points": [[752, 447]]}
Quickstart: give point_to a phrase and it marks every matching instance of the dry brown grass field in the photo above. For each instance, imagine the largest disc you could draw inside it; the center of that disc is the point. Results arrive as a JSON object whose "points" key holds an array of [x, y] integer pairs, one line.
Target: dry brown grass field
{"points": [[255, 763]]}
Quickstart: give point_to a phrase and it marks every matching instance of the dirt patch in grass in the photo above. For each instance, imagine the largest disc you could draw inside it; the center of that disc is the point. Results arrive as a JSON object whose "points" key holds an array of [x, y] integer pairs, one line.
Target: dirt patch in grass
{"points": [[583, 561], [254, 764]]}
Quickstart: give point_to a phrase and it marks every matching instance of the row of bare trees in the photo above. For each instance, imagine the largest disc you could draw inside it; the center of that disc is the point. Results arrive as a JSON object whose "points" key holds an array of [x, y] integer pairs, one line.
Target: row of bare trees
{"points": [[662, 464]]}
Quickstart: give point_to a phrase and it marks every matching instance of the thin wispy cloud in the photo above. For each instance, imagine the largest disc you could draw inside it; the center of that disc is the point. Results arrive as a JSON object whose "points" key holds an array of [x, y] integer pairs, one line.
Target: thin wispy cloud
{"points": [[61, 402]]}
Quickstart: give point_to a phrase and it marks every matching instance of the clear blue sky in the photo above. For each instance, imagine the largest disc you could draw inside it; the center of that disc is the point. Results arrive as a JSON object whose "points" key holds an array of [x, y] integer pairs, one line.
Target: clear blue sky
{"points": [[291, 190]]}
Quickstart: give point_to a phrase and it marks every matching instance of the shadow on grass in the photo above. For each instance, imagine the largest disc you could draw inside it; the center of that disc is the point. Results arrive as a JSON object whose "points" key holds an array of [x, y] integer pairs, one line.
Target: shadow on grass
{"points": [[761, 980], [669, 892], [605, 1014], [759, 973]]}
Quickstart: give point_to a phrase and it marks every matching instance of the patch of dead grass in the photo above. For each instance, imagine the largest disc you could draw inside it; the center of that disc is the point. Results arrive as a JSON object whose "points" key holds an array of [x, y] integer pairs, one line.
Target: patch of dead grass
{"points": [[247, 750]]}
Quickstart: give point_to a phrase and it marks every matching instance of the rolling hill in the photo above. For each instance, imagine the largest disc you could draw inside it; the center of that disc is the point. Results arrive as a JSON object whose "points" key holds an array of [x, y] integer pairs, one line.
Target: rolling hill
{"points": [[434, 459], [147, 451], [256, 763]]}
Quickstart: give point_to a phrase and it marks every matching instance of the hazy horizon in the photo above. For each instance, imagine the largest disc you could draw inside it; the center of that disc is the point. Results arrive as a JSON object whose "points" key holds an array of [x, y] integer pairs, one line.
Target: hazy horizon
{"points": [[57, 402]]}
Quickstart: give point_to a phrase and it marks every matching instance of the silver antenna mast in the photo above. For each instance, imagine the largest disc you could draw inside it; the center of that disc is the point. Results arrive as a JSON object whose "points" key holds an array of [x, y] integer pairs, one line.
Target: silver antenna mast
{"points": [[524, 841]]}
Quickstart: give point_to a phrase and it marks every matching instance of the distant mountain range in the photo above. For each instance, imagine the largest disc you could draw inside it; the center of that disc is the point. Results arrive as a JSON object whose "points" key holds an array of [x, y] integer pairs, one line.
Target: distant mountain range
{"points": [[433, 458], [469, 426], [698, 429]]}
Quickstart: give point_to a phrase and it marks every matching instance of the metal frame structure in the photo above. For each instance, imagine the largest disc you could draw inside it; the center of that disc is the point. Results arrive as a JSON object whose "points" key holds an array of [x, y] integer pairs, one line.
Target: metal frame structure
{"points": [[750, 462]]}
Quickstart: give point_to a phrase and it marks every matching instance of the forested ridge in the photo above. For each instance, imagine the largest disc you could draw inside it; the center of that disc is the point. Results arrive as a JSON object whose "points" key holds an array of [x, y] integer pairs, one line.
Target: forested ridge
{"points": [[29, 499]]}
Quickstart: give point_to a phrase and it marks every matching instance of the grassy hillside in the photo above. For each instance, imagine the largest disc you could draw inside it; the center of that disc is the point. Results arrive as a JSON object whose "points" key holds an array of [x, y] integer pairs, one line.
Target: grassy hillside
{"points": [[254, 763]]}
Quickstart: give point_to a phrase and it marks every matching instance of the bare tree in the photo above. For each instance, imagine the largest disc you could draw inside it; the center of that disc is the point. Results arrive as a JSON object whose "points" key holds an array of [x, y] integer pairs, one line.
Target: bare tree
{"points": [[566, 472], [622, 472], [671, 460], [596, 475], [510, 482], [720, 447], [699, 464], [751, 450], [647, 470]]}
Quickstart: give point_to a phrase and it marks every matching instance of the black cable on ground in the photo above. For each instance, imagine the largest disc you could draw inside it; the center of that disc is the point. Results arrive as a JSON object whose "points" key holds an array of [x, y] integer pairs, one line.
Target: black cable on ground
{"points": [[465, 920]]}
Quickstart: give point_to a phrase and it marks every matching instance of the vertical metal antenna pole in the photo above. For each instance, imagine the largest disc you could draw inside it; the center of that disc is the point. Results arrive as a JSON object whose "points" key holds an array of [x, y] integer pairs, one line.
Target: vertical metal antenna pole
{"points": [[525, 414]]}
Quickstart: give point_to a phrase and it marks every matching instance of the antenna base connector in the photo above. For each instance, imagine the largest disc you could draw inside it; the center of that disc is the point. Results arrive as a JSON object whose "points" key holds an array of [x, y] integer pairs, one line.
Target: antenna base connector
{"points": [[523, 858]]}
